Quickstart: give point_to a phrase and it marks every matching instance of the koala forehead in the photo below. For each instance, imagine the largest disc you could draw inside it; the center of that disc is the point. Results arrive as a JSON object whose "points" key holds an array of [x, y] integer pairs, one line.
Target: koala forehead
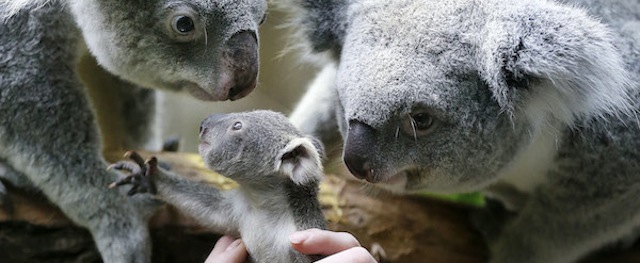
{"points": [[271, 128], [231, 14], [239, 14], [421, 57]]}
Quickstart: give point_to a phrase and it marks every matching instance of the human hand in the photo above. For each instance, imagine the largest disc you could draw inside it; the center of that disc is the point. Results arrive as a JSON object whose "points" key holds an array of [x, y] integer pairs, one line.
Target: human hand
{"points": [[228, 250], [338, 246]]}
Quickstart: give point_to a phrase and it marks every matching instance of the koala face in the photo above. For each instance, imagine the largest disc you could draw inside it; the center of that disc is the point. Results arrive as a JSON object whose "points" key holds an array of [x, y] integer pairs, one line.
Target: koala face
{"points": [[206, 47], [246, 146], [418, 114], [443, 95]]}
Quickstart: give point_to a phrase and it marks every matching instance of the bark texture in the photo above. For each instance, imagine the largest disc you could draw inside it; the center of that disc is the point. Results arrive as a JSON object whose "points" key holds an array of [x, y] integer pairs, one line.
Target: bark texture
{"points": [[394, 228]]}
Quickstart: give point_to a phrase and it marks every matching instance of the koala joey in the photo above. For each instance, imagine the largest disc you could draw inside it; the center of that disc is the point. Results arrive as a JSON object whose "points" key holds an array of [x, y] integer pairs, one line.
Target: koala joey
{"points": [[278, 170], [532, 102], [49, 137]]}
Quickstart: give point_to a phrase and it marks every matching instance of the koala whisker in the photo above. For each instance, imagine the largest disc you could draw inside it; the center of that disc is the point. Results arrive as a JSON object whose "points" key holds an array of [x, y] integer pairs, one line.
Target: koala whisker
{"points": [[413, 128], [206, 36]]}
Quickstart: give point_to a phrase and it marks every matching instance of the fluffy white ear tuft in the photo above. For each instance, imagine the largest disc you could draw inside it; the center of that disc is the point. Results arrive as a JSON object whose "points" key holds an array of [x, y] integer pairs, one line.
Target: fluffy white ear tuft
{"points": [[300, 161]]}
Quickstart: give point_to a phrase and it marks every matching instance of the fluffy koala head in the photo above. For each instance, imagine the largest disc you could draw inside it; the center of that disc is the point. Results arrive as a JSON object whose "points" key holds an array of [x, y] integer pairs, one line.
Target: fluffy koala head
{"points": [[246, 146], [206, 47], [441, 95]]}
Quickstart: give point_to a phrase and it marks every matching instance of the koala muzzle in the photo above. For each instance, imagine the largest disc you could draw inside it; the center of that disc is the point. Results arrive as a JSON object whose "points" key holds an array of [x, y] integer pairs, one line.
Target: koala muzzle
{"points": [[357, 149], [208, 123], [241, 56]]}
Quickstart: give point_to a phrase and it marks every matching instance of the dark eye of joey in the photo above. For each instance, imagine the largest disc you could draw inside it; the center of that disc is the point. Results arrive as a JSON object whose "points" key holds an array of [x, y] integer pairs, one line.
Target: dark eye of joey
{"points": [[417, 124], [237, 126], [183, 24]]}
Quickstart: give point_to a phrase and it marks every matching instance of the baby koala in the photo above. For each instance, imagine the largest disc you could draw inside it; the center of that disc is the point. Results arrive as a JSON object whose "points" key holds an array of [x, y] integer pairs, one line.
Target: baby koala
{"points": [[278, 170]]}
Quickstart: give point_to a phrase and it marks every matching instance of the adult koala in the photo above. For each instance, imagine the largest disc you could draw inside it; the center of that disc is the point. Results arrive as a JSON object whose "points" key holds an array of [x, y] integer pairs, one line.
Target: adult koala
{"points": [[49, 138], [532, 102]]}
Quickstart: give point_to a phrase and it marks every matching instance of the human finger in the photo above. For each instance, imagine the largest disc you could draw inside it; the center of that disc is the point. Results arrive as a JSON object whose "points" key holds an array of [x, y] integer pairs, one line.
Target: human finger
{"points": [[222, 244], [322, 242], [223, 251]]}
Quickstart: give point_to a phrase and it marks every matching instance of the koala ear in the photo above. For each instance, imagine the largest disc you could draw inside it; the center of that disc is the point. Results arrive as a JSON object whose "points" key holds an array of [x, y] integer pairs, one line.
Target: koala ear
{"points": [[301, 160], [553, 61], [321, 22]]}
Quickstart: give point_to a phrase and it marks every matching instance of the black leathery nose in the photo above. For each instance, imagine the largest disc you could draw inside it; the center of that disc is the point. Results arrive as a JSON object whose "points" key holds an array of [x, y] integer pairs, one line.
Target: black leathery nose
{"points": [[357, 150], [242, 51]]}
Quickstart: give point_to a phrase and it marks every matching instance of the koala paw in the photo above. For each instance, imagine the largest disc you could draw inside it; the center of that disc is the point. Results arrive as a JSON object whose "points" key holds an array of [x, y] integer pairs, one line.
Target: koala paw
{"points": [[140, 173]]}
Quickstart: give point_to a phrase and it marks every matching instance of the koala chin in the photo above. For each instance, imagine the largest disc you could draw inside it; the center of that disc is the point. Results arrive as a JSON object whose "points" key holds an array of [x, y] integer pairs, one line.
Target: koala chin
{"points": [[532, 102]]}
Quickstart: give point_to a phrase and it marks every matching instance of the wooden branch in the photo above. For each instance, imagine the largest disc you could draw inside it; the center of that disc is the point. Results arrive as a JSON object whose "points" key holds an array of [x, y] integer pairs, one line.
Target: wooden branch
{"points": [[396, 228]]}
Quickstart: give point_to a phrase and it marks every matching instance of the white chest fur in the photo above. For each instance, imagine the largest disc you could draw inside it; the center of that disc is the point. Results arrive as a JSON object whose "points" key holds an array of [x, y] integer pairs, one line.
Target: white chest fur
{"points": [[267, 234], [529, 168]]}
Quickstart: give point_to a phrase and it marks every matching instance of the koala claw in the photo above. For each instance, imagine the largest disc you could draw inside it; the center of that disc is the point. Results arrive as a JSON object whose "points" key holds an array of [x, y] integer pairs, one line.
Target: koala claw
{"points": [[140, 173]]}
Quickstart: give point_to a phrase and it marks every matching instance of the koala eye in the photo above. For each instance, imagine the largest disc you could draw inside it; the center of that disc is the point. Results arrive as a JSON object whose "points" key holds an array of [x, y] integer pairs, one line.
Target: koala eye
{"points": [[183, 24], [417, 124], [237, 126], [421, 121]]}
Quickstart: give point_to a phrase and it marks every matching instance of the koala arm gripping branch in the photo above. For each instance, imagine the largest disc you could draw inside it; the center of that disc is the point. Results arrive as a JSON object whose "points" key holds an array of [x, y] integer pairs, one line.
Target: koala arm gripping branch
{"points": [[202, 202]]}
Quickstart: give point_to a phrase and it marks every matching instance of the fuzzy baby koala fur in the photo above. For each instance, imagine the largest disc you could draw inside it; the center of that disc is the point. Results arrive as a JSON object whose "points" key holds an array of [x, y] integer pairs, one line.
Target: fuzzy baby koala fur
{"points": [[278, 170]]}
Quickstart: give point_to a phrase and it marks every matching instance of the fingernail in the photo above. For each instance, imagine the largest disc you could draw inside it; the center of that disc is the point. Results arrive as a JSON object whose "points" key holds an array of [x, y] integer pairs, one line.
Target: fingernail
{"points": [[234, 245], [298, 237]]}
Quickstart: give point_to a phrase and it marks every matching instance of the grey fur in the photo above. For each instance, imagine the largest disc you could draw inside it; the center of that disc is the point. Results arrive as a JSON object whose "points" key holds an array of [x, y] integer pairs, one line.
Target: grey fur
{"points": [[48, 129], [532, 102], [278, 170]]}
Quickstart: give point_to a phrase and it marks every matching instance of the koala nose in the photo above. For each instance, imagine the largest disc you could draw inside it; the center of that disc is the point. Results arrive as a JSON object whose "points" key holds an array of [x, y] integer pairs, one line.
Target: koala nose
{"points": [[241, 56], [208, 122], [357, 150]]}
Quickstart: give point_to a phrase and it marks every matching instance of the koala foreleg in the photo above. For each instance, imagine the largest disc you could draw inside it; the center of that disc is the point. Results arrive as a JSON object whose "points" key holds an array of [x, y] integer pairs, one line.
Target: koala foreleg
{"points": [[15, 179], [60, 155], [556, 225], [208, 205], [48, 133]]}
